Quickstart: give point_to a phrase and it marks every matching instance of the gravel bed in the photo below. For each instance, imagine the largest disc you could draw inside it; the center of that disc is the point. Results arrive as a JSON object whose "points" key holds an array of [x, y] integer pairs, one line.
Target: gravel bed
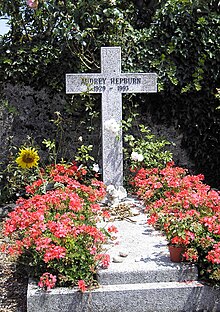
{"points": [[13, 284]]}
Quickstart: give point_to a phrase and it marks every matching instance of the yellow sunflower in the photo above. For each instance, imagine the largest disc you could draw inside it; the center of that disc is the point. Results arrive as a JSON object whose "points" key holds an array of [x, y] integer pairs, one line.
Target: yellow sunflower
{"points": [[27, 158]]}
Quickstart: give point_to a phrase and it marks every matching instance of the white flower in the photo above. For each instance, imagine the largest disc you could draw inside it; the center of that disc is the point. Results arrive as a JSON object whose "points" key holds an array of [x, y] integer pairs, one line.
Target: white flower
{"points": [[95, 167], [137, 157], [112, 126]]}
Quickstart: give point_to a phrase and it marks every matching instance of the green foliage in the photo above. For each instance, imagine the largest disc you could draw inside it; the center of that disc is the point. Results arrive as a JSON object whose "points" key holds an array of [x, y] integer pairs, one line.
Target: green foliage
{"points": [[5, 105], [186, 210], [83, 154], [51, 146], [56, 232], [149, 146], [182, 46], [13, 179], [142, 148], [40, 40], [55, 146], [179, 40], [217, 95]]}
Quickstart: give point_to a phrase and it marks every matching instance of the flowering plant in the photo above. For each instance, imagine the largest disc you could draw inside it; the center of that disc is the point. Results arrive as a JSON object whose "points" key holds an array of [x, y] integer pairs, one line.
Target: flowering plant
{"points": [[24, 168], [187, 211], [15, 175], [54, 232], [144, 150], [147, 150], [27, 158], [33, 4], [137, 157], [112, 126]]}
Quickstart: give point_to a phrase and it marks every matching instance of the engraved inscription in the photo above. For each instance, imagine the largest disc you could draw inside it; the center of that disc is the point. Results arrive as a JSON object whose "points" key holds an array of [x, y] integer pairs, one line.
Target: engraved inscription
{"points": [[99, 85], [123, 88], [99, 88], [125, 81], [95, 81]]}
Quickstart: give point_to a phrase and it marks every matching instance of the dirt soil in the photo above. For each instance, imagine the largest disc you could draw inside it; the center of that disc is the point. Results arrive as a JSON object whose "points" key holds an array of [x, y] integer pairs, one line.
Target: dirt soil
{"points": [[13, 284]]}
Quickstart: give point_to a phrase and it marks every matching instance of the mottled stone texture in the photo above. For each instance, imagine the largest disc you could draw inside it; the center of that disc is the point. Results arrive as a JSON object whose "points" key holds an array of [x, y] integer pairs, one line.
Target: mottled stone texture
{"points": [[29, 113], [148, 297]]}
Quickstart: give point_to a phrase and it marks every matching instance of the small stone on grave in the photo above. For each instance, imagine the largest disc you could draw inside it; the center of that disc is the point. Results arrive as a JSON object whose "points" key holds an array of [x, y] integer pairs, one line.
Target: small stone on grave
{"points": [[117, 259], [123, 254]]}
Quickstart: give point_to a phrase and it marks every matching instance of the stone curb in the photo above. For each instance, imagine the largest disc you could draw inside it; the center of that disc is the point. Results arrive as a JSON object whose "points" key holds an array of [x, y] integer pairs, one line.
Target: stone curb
{"points": [[149, 297], [178, 273]]}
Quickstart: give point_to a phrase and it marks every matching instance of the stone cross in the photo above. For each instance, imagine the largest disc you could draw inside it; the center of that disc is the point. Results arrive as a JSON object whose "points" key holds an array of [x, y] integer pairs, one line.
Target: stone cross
{"points": [[111, 83]]}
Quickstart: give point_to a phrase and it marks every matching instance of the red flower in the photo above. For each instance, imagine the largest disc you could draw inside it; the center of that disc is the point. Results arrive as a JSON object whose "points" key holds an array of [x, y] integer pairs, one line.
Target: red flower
{"points": [[152, 219], [106, 214], [47, 281], [214, 255], [82, 285], [179, 241], [112, 229], [54, 252], [104, 259], [95, 207]]}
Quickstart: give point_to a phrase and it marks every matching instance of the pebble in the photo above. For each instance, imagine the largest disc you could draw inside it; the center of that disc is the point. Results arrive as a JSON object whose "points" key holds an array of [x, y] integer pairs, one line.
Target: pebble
{"points": [[117, 259], [138, 259], [135, 212], [123, 254]]}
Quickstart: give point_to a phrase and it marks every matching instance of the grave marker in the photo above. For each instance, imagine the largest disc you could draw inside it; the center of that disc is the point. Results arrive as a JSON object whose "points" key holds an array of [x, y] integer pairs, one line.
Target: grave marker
{"points": [[111, 83]]}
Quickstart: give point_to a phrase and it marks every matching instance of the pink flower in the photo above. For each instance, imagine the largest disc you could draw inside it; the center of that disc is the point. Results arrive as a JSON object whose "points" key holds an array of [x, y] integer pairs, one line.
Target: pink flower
{"points": [[47, 281], [214, 255], [43, 243], [76, 202], [152, 219], [33, 4], [112, 229], [54, 252], [104, 259], [106, 214], [82, 285], [95, 207], [93, 250]]}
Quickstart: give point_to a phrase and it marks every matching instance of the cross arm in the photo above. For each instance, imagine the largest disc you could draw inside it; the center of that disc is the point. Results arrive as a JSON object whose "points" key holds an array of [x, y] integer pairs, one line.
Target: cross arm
{"points": [[80, 83]]}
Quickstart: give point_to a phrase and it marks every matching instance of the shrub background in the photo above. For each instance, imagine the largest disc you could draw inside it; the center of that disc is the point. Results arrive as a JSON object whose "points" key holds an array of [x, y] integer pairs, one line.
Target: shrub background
{"points": [[177, 39]]}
